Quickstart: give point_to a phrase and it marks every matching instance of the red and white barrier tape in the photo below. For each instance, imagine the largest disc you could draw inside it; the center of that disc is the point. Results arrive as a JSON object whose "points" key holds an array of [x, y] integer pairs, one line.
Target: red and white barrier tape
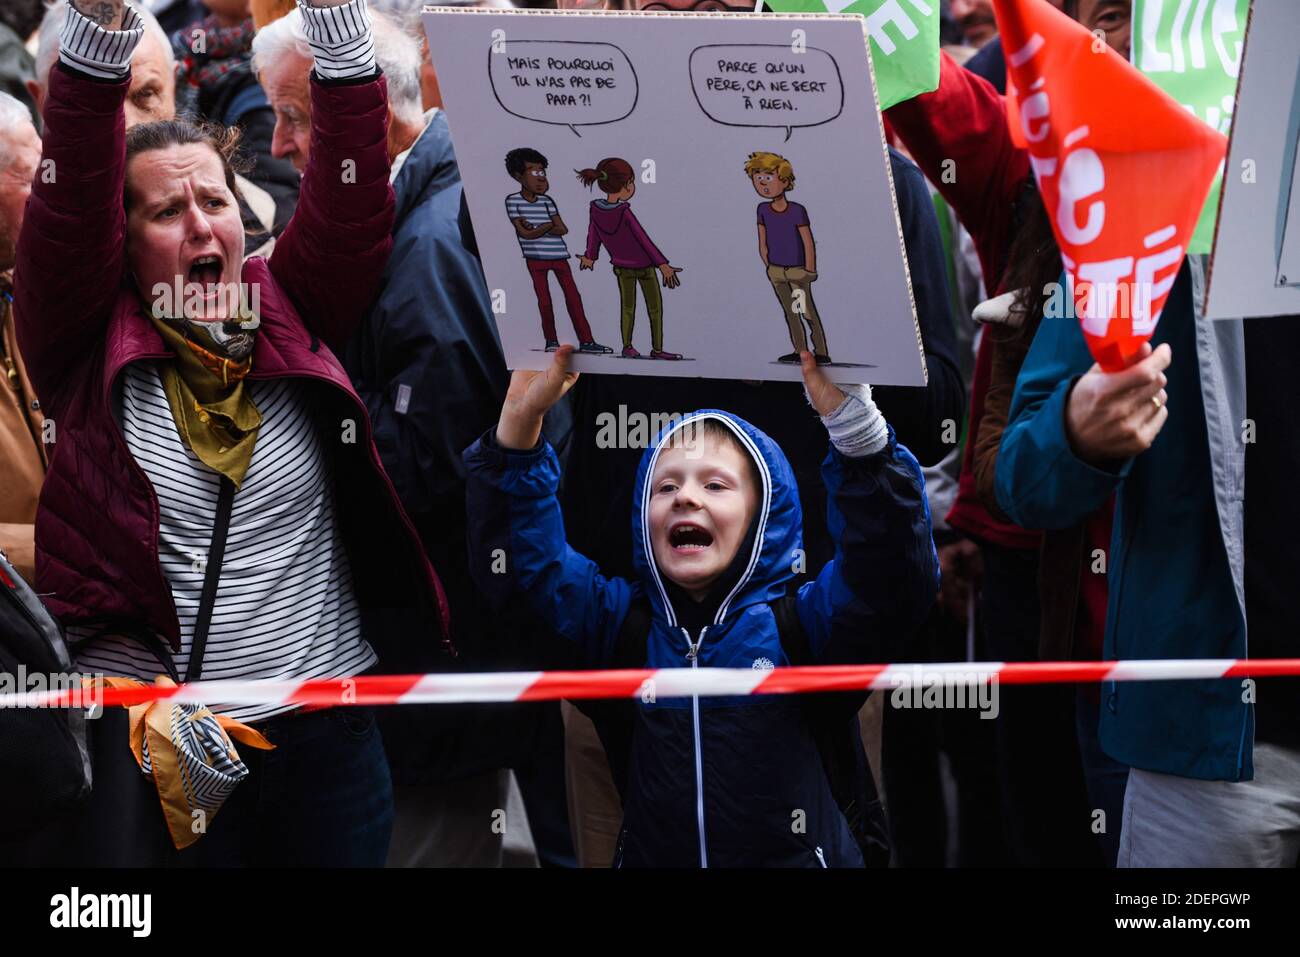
{"points": [[661, 683]]}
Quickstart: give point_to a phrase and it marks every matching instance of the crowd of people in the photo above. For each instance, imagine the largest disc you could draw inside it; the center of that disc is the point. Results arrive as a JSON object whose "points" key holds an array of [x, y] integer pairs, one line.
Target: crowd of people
{"points": [[320, 466]]}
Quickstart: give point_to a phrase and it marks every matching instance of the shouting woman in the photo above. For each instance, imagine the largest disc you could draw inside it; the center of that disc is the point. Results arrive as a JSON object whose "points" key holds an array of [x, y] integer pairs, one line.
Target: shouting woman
{"points": [[215, 505]]}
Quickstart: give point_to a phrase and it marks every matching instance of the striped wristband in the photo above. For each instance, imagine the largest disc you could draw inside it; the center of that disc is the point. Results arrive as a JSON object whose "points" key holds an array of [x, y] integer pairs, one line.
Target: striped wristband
{"points": [[341, 39]]}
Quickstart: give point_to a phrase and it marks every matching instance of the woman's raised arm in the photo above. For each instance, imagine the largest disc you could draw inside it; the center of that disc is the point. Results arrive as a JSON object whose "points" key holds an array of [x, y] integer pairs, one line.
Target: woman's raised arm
{"points": [[331, 256], [70, 256]]}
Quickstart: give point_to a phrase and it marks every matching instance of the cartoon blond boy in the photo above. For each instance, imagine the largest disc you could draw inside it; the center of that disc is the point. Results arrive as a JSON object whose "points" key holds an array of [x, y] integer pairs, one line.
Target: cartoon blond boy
{"points": [[785, 244]]}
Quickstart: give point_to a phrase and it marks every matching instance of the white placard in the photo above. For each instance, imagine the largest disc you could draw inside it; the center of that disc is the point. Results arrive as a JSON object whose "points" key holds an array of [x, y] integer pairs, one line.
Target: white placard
{"points": [[683, 100], [1255, 270]]}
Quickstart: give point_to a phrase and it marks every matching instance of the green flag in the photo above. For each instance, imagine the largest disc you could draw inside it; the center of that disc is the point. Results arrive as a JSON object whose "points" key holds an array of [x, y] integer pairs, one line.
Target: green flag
{"points": [[1192, 51], [904, 41]]}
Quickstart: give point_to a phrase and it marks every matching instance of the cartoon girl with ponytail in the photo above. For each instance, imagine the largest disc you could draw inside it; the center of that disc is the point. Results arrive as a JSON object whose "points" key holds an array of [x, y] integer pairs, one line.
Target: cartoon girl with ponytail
{"points": [[633, 256]]}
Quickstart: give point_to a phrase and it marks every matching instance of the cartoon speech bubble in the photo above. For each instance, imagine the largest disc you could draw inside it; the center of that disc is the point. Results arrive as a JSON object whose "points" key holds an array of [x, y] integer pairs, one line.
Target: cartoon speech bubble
{"points": [[766, 84], [565, 82]]}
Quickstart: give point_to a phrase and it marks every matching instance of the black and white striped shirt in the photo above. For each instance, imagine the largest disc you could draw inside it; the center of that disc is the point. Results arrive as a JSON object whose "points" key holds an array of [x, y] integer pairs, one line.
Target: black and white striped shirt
{"points": [[285, 606]]}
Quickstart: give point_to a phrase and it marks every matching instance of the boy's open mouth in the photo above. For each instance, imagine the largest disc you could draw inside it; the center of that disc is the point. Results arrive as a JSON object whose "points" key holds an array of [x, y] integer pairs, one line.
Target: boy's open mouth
{"points": [[689, 538]]}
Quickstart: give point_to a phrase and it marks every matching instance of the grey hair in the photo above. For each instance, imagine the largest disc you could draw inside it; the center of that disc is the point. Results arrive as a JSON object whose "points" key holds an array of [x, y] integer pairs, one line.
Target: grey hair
{"points": [[396, 51], [285, 35], [406, 13], [47, 47], [409, 14], [12, 113], [398, 54]]}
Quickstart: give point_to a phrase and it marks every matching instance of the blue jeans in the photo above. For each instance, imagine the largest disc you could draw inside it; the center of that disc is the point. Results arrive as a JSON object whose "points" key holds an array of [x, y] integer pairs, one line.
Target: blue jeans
{"points": [[322, 798], [1105, 777]]}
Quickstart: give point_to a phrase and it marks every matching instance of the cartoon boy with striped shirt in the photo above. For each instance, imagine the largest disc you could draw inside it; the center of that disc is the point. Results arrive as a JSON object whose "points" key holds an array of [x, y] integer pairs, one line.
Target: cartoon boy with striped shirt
{"points": [[540, 232]]}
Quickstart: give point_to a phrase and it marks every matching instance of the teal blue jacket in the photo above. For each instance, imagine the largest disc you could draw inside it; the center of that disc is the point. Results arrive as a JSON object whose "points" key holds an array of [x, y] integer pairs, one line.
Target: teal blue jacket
{"points": [[1174, 590]]}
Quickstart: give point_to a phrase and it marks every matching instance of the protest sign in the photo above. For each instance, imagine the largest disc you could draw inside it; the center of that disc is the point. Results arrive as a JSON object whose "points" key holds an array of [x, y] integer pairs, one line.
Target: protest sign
{"points": [[709, 192], [1255, 269]]}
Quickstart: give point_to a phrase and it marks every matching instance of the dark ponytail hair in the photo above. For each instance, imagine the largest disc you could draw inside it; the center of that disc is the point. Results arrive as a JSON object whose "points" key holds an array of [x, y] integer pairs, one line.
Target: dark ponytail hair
{"points": [[1033, 260], [613, 174]]}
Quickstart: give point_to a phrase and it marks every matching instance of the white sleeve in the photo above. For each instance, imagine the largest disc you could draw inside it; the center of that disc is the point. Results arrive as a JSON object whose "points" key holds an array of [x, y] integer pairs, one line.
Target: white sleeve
{"points": [[340, 39], [857, 428], [86, 46]]}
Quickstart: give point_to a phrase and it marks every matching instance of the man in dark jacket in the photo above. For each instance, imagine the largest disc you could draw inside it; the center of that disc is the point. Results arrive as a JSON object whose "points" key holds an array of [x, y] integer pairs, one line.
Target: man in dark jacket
{"points": [[428, 365]]}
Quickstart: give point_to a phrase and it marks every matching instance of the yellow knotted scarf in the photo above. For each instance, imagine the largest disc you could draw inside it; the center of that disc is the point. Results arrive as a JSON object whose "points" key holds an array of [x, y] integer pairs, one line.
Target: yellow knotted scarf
{"points": [[213, 410]]}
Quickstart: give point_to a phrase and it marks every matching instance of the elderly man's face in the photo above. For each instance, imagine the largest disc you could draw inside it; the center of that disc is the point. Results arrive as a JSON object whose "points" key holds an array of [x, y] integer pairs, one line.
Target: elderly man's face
{"points": [[287, 86], [153, 85], [23, 148]]}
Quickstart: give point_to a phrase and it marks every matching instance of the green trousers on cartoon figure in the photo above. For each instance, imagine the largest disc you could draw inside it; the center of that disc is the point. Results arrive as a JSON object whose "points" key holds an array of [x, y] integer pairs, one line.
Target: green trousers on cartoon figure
{"points": [[628, 280]]}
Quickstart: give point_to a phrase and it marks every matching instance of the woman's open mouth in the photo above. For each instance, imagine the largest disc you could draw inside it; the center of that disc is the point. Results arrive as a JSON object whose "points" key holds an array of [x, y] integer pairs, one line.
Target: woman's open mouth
{"points": [[689, 538], [205, 271]]}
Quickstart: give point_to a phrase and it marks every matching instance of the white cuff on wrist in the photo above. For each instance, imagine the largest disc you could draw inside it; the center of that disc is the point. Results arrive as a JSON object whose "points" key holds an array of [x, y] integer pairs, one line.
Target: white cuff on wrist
{"points": [[341, 39], [88, 47], [857, 427]]}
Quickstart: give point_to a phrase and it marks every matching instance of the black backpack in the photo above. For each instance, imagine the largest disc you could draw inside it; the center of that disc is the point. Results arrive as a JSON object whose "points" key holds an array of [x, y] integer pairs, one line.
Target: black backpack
{"points": [[832, 715], [44, 760]]}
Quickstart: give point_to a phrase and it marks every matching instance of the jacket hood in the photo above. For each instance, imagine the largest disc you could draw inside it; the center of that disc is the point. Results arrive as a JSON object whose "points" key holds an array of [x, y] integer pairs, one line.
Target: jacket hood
{"points": [[776, 535], [429, 167], [608, 216]]}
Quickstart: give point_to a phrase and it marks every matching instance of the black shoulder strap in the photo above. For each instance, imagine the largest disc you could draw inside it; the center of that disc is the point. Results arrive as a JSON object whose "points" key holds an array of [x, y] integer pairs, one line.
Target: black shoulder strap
{"points": [[794, 640], [211, 575], [633, 636]]}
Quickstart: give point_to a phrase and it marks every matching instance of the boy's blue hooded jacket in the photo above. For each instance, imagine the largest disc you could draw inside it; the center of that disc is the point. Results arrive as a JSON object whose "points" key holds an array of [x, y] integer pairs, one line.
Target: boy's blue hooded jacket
{"points": [[722, 781]]}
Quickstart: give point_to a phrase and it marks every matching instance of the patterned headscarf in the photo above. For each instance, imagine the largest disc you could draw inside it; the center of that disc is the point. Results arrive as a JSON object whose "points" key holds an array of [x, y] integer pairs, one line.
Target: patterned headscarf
{"points": [[206, 54]]}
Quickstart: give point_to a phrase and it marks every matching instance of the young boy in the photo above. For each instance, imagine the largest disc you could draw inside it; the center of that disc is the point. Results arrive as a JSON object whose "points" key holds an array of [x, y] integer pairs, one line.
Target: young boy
{"points": [[540, 232], [786, 246], [717, 781]]}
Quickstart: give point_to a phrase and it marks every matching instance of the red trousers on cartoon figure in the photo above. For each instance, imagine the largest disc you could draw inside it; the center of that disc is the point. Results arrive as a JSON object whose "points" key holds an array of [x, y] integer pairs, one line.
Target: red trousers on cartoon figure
{"points": [[538, 269]]}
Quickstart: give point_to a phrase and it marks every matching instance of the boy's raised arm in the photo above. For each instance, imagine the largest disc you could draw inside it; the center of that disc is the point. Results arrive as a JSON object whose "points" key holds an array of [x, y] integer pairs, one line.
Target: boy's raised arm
{"points": [[516, 533], [885, 574]]}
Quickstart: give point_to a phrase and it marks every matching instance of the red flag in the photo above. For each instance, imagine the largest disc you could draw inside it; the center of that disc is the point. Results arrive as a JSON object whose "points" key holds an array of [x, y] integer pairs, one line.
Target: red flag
{"points": [[1122, 168]]}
